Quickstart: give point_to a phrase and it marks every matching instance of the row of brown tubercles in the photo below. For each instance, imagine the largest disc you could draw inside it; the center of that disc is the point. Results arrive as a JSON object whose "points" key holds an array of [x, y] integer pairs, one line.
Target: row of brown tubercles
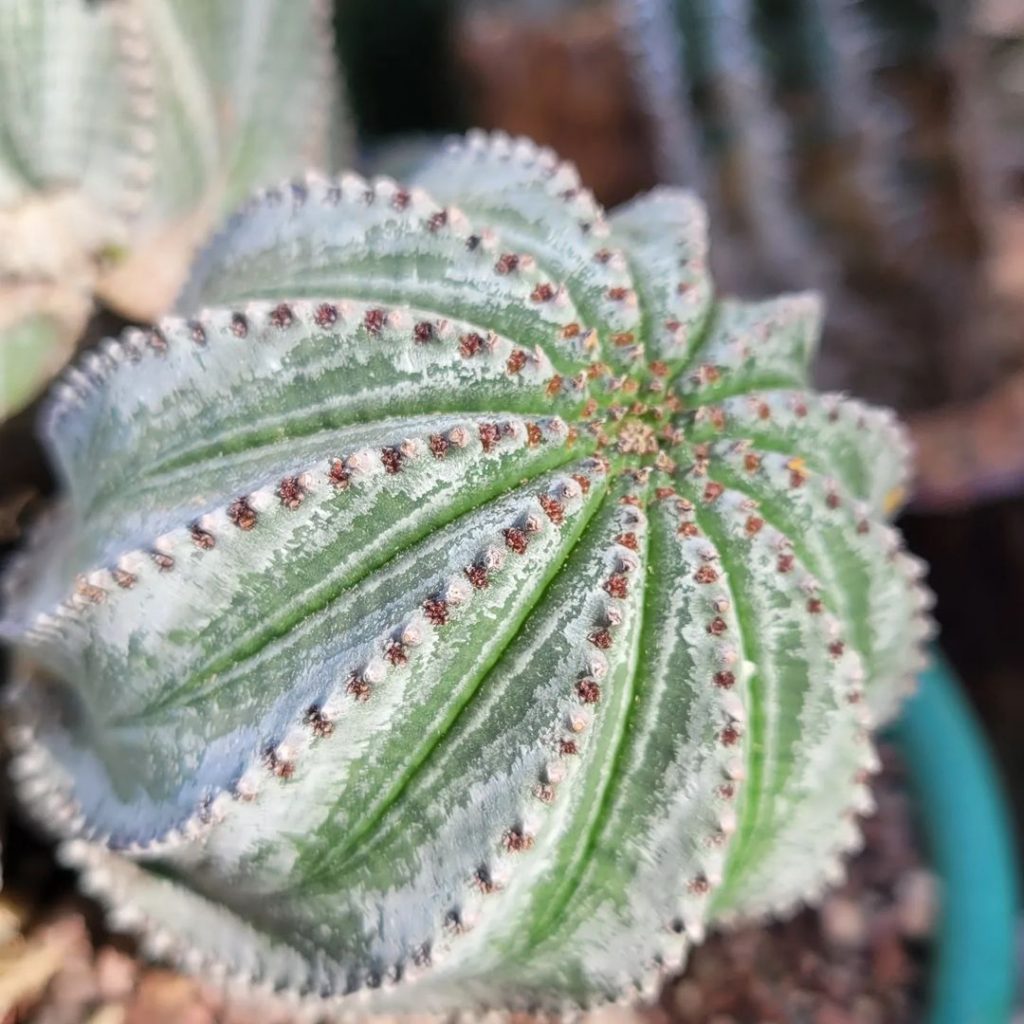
{"points": [[804, 490], [581, 702], [79, 382], [416, 211], [244, 511], [518, 837], [575, 338], [783, 409], [722, 627], [573, 209]]}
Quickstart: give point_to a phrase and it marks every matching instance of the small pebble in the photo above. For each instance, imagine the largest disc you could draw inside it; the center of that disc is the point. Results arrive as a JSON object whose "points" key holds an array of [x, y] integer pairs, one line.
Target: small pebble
{"points": [[832, 1014], [688, 998], [843, 922], [112, 1013], [115, 973], [164, 997], [916, 903], [889, 965], [867, 1010]]}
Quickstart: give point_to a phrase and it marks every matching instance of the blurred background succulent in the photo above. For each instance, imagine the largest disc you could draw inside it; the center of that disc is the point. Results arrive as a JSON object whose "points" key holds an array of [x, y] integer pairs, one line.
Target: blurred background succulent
{"points": [[458, 602], [128, 128]]}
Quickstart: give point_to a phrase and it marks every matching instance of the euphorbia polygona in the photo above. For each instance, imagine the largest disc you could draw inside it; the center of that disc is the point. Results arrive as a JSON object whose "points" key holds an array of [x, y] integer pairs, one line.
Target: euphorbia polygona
{"points": [[459, 605], [127, 129]]}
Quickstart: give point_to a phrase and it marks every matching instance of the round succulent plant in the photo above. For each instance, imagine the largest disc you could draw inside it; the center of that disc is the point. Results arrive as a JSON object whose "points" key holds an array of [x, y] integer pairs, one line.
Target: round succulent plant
{"points": [[127, 129], [458, 605]]}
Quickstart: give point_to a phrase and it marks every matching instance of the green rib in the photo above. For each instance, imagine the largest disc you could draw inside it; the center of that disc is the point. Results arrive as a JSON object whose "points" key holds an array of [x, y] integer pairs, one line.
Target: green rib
{"points": [[545, 925], [752, 791]]}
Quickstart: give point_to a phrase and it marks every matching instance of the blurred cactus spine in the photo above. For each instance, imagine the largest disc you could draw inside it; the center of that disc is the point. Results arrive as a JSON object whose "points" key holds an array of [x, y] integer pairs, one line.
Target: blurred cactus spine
{"points": [[827, 138], [127, 129], [458, 604]]}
